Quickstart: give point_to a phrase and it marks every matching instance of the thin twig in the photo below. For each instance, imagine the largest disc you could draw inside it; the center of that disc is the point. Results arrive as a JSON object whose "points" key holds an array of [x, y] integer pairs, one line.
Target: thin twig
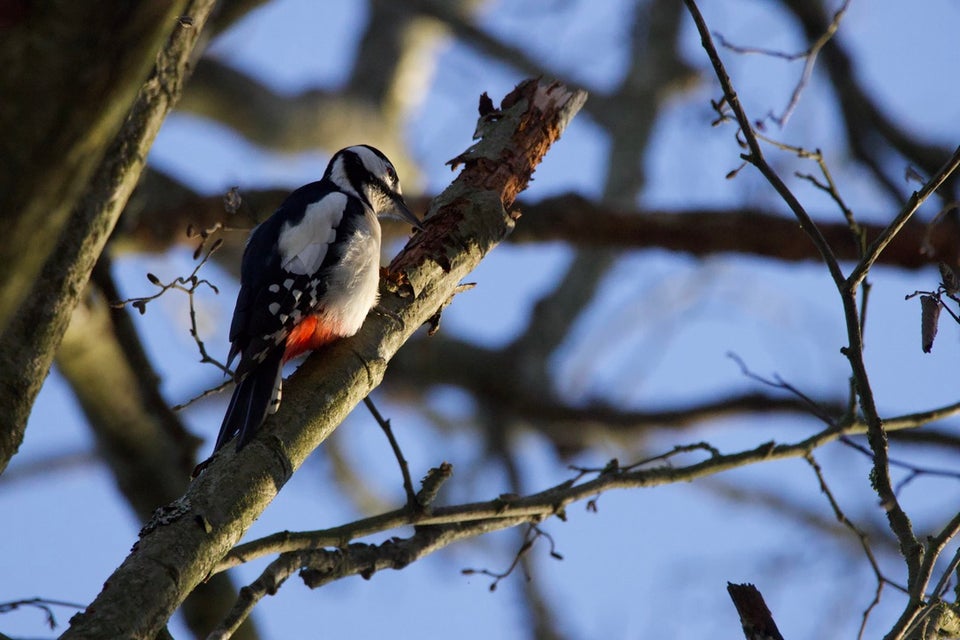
{"points": [[809, 56], [916, 199], [189, 285], [203, 394], [44, 604], [397, 452], [779, 383], [861, 536], [756, 157], [914, 470], [898, 520], [532, 534]]}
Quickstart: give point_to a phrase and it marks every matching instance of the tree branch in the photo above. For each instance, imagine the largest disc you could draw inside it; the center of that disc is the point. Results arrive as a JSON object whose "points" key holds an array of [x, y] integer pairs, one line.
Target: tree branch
{"points": [[142, 442], [755, 617], [28, 343], [75, 105], [464, 223], [155, 220], [544, 503], [910, 547]]}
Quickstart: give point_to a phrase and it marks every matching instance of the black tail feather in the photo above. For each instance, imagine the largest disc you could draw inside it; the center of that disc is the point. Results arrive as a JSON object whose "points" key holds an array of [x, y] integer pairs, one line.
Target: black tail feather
{"points": [[250, 402]]}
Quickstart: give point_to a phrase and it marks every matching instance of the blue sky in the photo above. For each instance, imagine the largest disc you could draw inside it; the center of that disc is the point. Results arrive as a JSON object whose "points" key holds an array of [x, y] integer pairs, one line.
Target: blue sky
{"points": [[658, 334]]}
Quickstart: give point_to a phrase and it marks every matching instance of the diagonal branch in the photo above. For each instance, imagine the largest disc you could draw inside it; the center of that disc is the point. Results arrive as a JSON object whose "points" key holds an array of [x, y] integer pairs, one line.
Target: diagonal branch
{"points": [[28, 343], [756, 157], [178, 550], [886, 236], [897, 518]]}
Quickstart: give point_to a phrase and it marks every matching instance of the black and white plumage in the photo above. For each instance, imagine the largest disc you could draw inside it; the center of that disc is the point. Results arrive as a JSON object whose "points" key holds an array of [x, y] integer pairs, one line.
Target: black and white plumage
{"points": [[309, 275]]}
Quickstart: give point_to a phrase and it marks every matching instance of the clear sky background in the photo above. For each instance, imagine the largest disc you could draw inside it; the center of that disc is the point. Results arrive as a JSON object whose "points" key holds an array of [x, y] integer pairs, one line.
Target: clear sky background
{"points": [[650, 563]]}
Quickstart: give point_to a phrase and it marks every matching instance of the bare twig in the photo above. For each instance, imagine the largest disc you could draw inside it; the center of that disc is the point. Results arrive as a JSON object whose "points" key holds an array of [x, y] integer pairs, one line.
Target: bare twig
{"points": [[828, 186], [886, 236], [412, 501], [861, 536], [44, 604], [809, 57], [203, 394], [189, 285], [779, 383], [532, 534]]}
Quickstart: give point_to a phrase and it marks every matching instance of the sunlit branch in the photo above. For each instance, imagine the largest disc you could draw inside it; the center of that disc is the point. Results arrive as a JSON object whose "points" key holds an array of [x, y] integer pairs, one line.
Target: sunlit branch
{"points": [[538, 506]]}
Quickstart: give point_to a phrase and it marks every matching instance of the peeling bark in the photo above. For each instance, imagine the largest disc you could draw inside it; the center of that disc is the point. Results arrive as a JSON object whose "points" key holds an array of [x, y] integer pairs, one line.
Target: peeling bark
{"points": [[176, 553]]}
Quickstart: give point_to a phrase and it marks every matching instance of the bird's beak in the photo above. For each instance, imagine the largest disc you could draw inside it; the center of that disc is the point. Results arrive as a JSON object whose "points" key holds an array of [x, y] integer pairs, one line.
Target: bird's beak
{"points": [[401, 212]]}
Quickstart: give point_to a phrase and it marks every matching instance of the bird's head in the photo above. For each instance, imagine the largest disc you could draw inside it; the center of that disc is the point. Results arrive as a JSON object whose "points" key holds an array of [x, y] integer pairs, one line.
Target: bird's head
{"points": [[364, 171]]}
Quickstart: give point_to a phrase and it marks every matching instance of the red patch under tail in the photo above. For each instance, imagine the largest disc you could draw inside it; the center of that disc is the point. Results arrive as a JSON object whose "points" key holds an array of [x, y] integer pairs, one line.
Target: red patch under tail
{"points": [[309, 335]]}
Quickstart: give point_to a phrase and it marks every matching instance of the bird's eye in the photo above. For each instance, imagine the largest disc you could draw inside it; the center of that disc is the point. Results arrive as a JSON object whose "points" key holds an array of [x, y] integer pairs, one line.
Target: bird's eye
{"points": [[392, 174]]}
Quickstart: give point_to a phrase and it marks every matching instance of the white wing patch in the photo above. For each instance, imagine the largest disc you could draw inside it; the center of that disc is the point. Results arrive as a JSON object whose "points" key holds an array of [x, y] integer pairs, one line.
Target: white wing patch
{"points": [[303, 246]]}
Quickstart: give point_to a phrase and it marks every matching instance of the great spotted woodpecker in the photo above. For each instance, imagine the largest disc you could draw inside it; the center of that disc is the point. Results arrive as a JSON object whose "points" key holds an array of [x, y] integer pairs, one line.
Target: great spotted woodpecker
{"points": [[309, 276]]}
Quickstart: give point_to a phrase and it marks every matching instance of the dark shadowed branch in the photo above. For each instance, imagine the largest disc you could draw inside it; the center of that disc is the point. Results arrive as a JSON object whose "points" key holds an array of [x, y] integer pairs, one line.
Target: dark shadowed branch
{"points": [[33, 333], [915, 556]]}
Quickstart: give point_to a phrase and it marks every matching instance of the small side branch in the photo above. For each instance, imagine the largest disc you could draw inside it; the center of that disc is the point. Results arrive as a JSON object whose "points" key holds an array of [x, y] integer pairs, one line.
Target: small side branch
{"points": [[886, 236], [533, 534], [755, 155], [809, 57], [412, 501], [44, 604], [861, 536], [188, 284]]}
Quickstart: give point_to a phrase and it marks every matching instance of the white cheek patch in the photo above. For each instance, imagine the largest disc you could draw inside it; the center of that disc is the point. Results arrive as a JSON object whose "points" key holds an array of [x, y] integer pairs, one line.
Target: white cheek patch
{"points": [[338, 175], [303, 246]]}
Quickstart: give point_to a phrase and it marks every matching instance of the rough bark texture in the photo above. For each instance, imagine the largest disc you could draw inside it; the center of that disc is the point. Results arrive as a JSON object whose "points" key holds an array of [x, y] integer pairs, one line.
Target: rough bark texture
{"points": [[60, 114], [141, 441], [175, 553], [34, 330]]}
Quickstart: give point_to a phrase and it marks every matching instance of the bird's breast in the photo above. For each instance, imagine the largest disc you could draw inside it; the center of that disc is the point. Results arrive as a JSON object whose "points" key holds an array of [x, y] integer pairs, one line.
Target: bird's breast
{"points": [[351, 291]]}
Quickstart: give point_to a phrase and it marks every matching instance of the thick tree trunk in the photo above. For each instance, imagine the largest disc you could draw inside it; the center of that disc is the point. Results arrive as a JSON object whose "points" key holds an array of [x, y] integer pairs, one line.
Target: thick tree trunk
{"points": [[78, 225]]}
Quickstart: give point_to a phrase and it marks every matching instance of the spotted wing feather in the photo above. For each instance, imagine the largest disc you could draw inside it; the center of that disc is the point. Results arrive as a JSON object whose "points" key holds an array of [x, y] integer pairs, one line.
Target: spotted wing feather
{"points": [[283, 278]]}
